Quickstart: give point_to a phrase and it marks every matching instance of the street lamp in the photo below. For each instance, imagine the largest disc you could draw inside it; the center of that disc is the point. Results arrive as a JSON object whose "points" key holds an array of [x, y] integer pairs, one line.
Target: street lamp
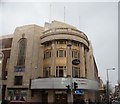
{"points": [[107, 91], [1, 59], [71, 79]]}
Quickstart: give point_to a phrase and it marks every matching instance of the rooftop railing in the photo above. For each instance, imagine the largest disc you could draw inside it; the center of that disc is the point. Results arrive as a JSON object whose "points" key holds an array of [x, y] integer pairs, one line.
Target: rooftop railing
{"points": [[65, 30]]}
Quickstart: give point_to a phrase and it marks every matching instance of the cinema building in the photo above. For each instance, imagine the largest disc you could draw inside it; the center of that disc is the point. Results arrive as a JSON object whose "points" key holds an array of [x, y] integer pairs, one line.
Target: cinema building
{"points": [[38, 66]]}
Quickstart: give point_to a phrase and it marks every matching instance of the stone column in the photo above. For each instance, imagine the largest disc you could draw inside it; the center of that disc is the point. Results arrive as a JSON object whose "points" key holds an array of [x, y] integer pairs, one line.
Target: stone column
{"points": [[28, 95], [53, 56], [68, 61], [69, 99], [86, 63], [40, 63], [51, 96], [82, 61]]}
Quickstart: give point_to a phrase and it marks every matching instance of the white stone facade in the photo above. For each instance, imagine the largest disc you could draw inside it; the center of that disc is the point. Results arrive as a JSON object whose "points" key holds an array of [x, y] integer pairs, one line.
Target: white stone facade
{"points": [[47, 61]]}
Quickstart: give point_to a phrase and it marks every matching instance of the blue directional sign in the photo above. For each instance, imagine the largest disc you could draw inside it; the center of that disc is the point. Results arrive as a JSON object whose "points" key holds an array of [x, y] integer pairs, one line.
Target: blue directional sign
{"points": [[80, 92]]}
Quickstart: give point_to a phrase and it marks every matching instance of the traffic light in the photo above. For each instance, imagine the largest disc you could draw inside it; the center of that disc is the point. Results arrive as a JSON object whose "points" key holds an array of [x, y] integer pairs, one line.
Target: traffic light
{"points": [[68, 88], [75, 85]]}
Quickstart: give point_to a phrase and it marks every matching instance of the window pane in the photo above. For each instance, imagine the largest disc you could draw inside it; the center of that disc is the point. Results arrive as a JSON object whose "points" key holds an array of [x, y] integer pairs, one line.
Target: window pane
{"points": [[75, 72], [18, 80], [60, 53], [56, 72], [57, 53], [47, 54], [60, 73], [47, 72], [78, 55], [64, 53], [75, 54]]}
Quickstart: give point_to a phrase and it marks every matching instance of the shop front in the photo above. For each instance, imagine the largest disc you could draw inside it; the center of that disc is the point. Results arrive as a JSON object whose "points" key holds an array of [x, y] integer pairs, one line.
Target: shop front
{"points": [[54, 90], [17, 94]]}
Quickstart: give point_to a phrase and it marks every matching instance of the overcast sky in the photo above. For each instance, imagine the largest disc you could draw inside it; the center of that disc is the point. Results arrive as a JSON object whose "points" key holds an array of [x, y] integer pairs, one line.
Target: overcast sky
{"points": [[98, 20]]}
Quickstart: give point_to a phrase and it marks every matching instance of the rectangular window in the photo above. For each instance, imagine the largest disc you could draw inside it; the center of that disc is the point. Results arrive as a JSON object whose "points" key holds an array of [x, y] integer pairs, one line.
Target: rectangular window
{"points": [[78, 54], [57, 53], [47, 44], [47, 54], [47, 72], [75, 43], [61, 42], [75, 72], [61, 53], [7, 64], [18, 80], [60, 71], [64, 53], [75, 54]]}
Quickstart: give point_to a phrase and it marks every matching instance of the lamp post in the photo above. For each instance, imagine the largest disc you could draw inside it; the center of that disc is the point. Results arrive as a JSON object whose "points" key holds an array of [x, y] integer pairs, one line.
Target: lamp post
{"points": [[107, 90], [71, 79], [1, 59]]}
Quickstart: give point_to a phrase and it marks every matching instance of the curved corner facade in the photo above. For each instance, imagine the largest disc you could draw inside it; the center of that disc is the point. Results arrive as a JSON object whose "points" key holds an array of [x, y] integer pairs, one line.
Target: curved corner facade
{"points": [[44, 70]]}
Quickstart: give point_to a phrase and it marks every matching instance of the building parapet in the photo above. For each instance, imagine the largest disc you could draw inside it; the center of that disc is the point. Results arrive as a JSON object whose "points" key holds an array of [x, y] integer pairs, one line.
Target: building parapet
{"points": [[64, 30]]}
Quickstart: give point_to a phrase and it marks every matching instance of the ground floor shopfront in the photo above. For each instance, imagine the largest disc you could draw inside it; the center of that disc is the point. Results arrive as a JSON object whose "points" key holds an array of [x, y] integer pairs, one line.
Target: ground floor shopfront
{"points": [[55, 89], [61, 96], [50, 95]]}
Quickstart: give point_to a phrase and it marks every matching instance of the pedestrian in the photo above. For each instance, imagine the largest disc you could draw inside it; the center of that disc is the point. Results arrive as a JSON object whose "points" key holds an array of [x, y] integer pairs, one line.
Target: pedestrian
{"points": [[4, 102], [86, 101], [82, 101], [90, 102]]}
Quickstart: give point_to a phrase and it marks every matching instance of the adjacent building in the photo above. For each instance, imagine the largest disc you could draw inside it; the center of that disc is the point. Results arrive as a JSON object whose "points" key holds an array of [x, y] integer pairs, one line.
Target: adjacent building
{"points": [[37, 64]]}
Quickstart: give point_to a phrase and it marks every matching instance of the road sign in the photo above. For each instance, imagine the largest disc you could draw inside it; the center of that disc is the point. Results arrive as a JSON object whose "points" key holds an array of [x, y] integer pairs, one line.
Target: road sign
{"points": [[80, 92]]}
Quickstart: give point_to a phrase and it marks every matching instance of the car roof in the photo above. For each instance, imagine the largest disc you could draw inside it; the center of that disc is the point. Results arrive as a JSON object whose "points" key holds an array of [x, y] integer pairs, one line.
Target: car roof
{"points": [[16, 101]]}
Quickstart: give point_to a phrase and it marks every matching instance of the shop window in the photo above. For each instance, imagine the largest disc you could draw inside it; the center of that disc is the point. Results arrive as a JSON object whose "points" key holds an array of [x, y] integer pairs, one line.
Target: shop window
{"points": [[18, 80]]}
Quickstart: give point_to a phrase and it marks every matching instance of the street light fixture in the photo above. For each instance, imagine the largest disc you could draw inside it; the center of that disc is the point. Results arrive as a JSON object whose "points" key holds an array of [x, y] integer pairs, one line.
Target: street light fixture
{"points": [[107, 90]]}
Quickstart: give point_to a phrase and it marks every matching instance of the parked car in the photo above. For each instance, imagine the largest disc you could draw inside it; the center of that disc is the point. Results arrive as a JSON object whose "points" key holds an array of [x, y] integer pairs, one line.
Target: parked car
{"points": [[17, 102]]}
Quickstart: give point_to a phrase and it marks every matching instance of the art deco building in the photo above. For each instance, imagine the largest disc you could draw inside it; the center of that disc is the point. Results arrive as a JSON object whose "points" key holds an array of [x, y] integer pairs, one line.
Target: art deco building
{"points": [[40, 64]]}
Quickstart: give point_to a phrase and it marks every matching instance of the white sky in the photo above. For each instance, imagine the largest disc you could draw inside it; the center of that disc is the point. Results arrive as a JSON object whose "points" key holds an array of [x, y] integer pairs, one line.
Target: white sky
{"points": [[99, 20]]}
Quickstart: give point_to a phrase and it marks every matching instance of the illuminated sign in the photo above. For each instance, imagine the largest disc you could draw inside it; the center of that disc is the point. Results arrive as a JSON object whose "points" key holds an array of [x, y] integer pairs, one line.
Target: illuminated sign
{"points": [[79, 92]]}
